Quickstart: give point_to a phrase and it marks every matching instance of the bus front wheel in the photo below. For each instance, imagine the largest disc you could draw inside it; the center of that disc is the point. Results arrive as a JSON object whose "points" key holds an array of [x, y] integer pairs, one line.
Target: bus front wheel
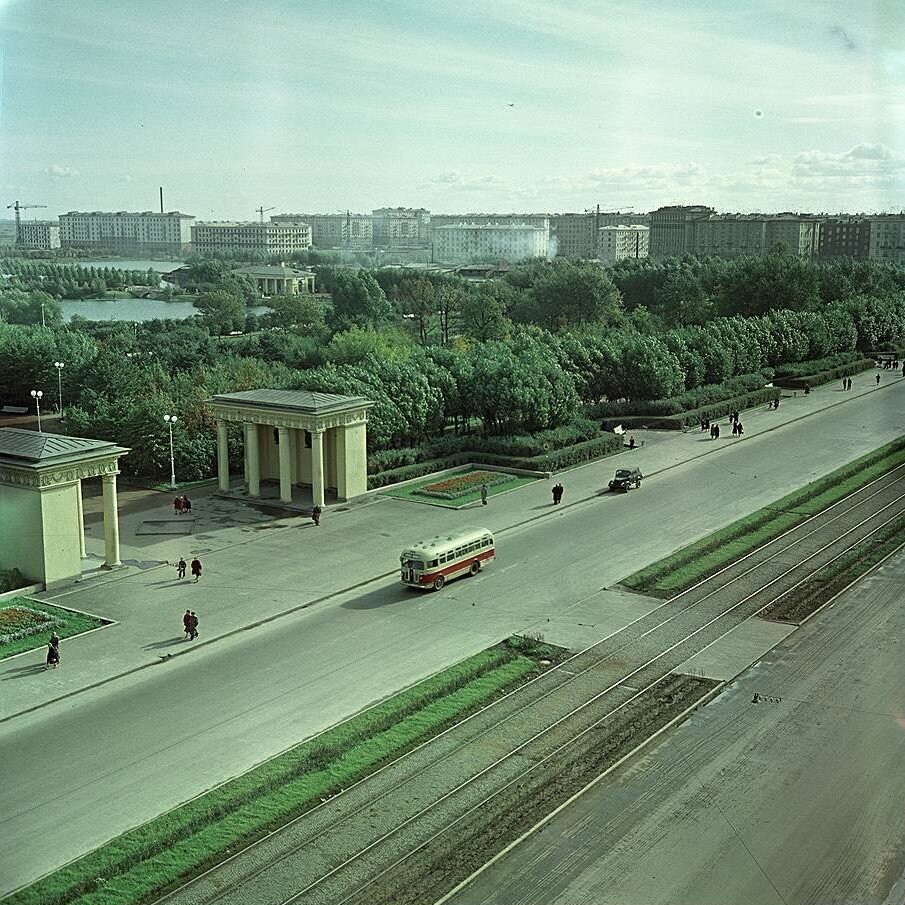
{"points": [[439, 581], [475, 567]]}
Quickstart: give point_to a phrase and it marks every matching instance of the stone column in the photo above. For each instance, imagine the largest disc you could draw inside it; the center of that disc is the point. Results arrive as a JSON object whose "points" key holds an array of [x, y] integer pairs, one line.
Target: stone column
{"points": [[111, 522], [317, 467], [81, 516], [285, 450], [222, 456], [252, 459]]}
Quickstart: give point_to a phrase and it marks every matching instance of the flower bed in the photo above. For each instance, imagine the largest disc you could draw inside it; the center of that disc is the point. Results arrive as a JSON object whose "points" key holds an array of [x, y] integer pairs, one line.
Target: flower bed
{"points": [[461, 485], [20, 622]]}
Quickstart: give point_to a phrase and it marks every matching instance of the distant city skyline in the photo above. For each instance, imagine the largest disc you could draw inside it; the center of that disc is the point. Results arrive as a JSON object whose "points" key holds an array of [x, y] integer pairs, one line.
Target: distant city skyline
{"points": [[517, 105]]}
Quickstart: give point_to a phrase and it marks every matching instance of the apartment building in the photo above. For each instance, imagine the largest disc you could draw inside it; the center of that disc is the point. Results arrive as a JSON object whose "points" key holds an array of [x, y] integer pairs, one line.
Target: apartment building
{"points": [[265, 238], [127, 231], [672, 229], [844, 237], [474, 243], [542, 220], [349, 231], [624, 241], [38, 234], [576, 235], [887, 238], [401, 227]]}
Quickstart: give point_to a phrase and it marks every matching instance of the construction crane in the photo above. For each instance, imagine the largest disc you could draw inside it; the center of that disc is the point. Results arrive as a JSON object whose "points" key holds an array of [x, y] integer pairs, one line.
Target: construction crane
{"points": [[21, 207], [263, 210]]}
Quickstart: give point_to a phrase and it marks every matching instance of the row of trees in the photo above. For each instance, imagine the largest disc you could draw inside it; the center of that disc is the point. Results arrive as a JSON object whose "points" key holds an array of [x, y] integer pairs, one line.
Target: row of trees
{"points": [[71, 281]]}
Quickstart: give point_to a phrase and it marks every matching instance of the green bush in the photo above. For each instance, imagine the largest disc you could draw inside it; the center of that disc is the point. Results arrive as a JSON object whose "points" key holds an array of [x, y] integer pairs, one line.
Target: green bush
{"points": [[821, 377], [817, 365], [694, 416], [698, 398]]}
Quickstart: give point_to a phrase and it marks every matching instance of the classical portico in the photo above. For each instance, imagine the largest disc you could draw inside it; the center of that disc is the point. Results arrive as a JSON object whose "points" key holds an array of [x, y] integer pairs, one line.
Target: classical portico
{"points": [[296, 437], [42, 531]]}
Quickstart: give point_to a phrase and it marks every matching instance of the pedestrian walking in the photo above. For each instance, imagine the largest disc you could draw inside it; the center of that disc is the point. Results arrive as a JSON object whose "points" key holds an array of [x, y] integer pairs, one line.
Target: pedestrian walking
{"points": [[316, 515], [193, 625], [187, 623], [555, 493], [716, 431], [878, 380], [703, 425], [734, 428], [53, 652], [483, 494], [186, 505], [180, 568], [177, 505], [559, 493], [196, 568], [845, 383], [631, 442], [741, 430], [712, 431]]}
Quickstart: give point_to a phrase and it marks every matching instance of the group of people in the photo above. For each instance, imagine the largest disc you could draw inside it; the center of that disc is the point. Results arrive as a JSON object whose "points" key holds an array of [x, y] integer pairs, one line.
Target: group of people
{"points": [[190, 624], [847, 382], [557, 491], [196, 568], [53, 651], [182, 505], [734, 420], [889, 364]]}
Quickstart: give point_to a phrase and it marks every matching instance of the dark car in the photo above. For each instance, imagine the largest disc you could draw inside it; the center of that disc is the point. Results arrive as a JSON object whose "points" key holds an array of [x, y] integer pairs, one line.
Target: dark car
{"points": [[626, 478]]}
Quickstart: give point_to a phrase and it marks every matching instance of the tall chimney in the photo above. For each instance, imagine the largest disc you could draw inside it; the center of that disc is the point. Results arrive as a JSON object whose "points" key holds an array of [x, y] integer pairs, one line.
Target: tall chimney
{"points": [[161, 199]]}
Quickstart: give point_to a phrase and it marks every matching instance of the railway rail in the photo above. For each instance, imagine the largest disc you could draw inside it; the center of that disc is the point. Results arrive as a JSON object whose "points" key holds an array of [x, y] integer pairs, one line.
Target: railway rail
{"points": [[348, 847]]}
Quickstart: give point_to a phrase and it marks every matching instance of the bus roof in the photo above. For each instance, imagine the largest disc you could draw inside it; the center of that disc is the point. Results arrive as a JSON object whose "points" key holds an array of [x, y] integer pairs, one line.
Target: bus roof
{"points": [[444, 541]]}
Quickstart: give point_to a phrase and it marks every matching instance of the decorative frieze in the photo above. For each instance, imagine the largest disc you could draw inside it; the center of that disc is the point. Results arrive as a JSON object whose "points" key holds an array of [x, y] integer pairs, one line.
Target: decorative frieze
{"points": [[239, 415], [38, 477]]}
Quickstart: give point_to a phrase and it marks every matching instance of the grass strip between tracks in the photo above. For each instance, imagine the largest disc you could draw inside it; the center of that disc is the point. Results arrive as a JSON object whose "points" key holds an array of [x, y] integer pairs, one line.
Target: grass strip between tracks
{"points": [[799, 603], [686, 567], [143, 863]]}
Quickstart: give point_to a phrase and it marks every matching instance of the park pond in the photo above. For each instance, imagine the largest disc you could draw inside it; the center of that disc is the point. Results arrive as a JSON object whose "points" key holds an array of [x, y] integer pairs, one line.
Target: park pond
{"points": [[137, 310], [144, 265]]}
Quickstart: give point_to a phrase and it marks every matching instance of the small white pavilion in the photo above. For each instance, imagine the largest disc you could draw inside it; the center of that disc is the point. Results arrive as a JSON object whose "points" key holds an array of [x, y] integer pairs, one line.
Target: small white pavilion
{"points": [[42, 531], [299, 437]]}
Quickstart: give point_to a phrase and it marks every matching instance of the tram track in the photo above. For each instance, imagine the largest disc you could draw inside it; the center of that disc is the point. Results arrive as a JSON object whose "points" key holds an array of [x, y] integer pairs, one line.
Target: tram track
{"points": [[513, 739]]}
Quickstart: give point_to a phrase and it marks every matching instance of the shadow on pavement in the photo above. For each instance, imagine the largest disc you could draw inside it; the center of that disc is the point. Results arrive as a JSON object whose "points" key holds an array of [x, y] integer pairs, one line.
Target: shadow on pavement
{"points": [[156, 645], [383, 597], [20, 672]]}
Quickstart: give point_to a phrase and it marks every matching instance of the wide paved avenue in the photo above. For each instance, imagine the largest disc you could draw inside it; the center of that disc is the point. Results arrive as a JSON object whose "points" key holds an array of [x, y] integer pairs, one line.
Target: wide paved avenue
{"points": [[84, 769]]}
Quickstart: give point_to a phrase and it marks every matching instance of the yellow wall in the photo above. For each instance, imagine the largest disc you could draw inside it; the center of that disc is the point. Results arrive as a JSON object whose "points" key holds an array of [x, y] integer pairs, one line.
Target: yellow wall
{"points": [[59, 508], [351, 460]]}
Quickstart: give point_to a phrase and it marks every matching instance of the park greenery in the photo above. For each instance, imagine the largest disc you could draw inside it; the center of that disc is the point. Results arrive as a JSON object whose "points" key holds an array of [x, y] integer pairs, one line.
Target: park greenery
{"points": [[445, 361]]}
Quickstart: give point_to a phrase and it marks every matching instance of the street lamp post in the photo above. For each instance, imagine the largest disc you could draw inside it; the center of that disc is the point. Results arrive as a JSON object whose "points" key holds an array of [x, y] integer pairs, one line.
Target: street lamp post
{"points": [[43, 324], [59, 365], [36, 395], [171, 420]]}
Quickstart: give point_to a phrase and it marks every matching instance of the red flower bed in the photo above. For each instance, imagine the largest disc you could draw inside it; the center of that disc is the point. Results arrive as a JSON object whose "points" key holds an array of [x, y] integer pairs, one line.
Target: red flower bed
{"points": [[13, 619], [461, 485]]}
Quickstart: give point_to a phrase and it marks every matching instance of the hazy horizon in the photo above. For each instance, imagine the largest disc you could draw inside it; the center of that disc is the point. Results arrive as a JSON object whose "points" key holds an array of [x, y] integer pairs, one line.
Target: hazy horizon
{"points": [[465, 107]]}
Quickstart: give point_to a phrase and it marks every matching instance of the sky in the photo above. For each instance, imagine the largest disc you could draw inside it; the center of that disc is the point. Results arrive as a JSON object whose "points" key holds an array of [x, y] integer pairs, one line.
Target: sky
{"points": [[472, 105]]}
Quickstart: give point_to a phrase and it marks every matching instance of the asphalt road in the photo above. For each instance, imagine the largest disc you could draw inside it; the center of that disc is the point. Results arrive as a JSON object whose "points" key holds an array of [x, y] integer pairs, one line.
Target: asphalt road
{"points": [[795, 799], [81, 771]]}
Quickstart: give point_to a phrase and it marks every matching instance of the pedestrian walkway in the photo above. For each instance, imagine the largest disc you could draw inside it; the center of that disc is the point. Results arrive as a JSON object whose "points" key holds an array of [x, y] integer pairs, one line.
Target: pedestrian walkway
{"points": [[257, 565]]}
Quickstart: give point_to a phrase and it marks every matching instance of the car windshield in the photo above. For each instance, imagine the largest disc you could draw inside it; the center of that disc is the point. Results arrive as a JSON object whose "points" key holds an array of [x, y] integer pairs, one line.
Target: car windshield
{"points": [[623, 473]]}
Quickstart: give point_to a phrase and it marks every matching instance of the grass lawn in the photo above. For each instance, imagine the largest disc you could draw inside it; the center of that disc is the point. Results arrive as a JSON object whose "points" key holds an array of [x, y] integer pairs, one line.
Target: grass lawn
{"points": [[411, 491], [143, 863], [64, 622], [684, 568]]}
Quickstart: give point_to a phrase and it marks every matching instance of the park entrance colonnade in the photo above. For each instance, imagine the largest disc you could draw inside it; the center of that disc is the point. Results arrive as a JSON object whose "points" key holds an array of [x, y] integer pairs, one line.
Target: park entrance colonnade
{"points": [[297, 437], [42, 525]]}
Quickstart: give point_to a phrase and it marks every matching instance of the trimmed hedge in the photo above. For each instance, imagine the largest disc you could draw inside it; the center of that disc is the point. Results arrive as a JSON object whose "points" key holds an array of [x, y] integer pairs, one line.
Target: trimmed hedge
{"points": [[694, 416], [817, 365], [555, 460], [523, 446], [698, 398], [821, 377]]}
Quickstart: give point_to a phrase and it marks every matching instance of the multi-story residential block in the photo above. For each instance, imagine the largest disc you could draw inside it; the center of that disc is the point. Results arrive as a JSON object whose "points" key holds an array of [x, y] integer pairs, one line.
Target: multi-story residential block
{"points": [[266, 238], [351, 231], [126, 231], [402, 227], [887, 238], [39, 234], [438, 220], [576, 235], [733, 235], [473, 243], [844, 237], [624, 241], [672, 229]]}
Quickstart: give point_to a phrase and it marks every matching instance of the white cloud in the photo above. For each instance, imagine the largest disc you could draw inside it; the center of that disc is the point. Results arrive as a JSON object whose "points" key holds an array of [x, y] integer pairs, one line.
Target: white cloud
{"points": [[58, 171], [863, 165]]}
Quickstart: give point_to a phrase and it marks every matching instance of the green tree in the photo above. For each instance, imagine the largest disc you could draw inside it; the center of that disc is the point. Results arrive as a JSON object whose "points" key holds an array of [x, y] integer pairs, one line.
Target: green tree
{"points": [[483, 311], [302, 311], [416, 298], [358, 301], [221, 310]]}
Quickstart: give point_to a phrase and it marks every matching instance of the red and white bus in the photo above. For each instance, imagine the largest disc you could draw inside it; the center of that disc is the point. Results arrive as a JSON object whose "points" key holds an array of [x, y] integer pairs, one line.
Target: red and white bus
{"points": [[431, 563]]}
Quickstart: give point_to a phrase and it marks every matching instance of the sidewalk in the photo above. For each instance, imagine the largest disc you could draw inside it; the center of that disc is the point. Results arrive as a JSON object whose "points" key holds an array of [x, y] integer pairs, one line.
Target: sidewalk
{"points": [[258, 566]]}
